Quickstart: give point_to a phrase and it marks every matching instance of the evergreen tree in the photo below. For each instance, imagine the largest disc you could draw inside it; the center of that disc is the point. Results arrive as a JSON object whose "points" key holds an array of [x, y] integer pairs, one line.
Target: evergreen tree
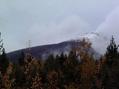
{"points": [[71, 68], [3, 58], [4, 62], [1, 45], [50, 63], [110, 69], [112, 49], [21, 59]]}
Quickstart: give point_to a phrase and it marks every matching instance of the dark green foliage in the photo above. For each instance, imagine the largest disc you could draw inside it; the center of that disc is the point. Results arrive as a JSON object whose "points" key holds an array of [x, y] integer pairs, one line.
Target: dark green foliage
{"points": [[19, 76], [49, 63], [21, 59], [70, 68], [3, 62], [62, 71], [110, 69], [3, 57]]}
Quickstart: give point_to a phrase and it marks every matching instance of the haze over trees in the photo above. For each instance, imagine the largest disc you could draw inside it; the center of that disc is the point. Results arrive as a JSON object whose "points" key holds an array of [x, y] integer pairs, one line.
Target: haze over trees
{"points": [[76, 70]]}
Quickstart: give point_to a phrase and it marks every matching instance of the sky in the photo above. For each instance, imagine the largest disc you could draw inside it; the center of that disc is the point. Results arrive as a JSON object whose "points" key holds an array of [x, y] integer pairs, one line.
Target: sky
{"points": [[53, 21]]}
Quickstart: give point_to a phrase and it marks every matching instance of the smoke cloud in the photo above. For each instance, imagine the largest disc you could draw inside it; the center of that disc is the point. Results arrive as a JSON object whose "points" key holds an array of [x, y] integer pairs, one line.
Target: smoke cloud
{"points": [[45, 22], [67, 29], [108, 28]]}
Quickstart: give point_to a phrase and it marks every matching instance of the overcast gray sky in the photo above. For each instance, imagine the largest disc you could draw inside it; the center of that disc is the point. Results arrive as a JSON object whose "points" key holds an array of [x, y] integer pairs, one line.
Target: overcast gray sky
{"points": [[52, 21]]}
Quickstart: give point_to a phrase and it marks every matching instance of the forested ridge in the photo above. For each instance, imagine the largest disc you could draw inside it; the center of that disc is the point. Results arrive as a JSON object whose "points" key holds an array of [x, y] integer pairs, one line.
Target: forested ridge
{"points": [[76, 70]]}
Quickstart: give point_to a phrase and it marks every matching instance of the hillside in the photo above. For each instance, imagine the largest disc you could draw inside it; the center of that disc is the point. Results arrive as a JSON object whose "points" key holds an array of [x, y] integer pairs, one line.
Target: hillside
{"points": [[45, 50]]}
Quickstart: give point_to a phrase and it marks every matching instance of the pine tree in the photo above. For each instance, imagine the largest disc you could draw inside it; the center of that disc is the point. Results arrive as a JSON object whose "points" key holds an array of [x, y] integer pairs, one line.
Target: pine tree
{"points": [[112, 49], [21, 59], [3, 58], [71, 68], [50, 63], [110, 69], [1, 45]]}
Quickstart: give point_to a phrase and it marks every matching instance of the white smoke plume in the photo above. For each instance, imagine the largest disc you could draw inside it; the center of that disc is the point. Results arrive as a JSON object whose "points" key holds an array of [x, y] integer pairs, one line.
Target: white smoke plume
{"points": [[108, 28]]}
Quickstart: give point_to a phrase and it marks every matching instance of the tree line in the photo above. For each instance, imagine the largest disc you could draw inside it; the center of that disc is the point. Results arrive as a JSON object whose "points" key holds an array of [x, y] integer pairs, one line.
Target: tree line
{"points": [[76, 70]]}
